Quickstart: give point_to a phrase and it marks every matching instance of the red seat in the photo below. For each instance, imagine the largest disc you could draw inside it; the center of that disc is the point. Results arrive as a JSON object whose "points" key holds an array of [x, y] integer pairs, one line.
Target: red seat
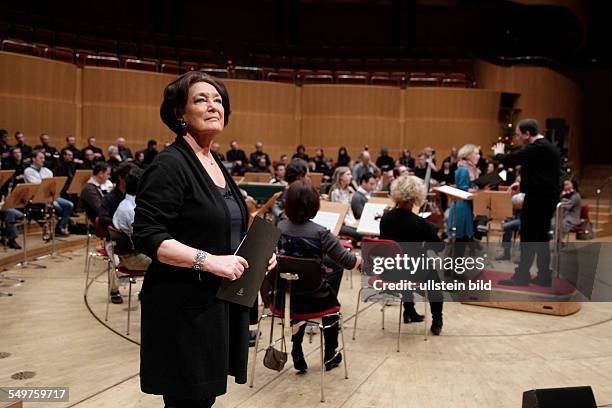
{"points": [[306, 316]]}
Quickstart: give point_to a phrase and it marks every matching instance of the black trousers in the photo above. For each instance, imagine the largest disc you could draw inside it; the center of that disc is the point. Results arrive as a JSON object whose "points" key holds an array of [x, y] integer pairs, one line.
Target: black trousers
{"points": [[174, 402], [330, 336], [537, 212]]}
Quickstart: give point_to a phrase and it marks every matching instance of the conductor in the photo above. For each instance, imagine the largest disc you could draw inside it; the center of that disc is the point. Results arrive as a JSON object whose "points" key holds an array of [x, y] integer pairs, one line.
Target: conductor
{"points": [[540, 161]]}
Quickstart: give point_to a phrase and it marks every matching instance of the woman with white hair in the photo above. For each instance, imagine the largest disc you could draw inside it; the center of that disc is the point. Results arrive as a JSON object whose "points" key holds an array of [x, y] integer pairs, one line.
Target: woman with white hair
{"points": [[465, 175], [402, 225]]}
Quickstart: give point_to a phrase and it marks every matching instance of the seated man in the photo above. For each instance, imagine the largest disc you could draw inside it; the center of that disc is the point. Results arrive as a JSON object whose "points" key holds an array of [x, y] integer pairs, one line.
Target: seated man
{"points": [[363, 193], [124, 218], [111, 201], [95, 190], [512, 225], [35, 174]]}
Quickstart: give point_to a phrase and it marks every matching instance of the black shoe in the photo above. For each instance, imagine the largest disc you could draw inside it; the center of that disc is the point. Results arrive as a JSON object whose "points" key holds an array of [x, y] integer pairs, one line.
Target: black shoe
{"points": [[332, 362], [436, 327], [515, 280], [503, 257], [252, 337], [299, 363], [116, 298], [411, 316], [13, 244], [546, 282]]}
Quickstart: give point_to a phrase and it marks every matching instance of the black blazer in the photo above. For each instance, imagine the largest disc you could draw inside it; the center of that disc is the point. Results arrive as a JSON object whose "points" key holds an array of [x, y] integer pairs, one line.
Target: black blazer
{"points": [[190, 340]]}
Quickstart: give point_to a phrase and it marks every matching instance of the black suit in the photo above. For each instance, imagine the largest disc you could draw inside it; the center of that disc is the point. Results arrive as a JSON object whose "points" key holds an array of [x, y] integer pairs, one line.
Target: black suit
{"points": [[540, 175]]}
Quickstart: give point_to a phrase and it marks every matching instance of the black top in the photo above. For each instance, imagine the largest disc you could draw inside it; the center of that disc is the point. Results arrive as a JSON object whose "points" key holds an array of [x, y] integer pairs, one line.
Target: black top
{"points": [[125, 153], [254, 158], [234, 209], [190, 340], [109, 205], [238, 154], [385, 163], [540, 167], [403, 225]]}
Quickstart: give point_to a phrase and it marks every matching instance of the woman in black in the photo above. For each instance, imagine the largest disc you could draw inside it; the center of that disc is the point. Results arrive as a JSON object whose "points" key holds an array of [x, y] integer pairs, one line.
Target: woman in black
{"points": [[402, 225], [189, 219]]}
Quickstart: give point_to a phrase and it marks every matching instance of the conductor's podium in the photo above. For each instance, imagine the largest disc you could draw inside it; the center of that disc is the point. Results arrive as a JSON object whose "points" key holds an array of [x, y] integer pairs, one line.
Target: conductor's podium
{"points": [[261, 191], [532, 298]]}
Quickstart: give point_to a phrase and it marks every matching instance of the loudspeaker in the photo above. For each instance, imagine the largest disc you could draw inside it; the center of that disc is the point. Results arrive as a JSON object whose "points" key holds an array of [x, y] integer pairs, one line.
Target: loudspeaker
{"points": [[570, 397]]}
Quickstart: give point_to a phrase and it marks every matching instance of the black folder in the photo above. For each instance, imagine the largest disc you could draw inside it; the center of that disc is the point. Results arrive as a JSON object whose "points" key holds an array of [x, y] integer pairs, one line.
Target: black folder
{"points": [[491, 179], [257, 247]]}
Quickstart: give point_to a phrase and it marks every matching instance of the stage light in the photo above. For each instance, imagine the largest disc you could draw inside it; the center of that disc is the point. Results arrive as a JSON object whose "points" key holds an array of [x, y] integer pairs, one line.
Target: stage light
{"points": [[509, 125]]}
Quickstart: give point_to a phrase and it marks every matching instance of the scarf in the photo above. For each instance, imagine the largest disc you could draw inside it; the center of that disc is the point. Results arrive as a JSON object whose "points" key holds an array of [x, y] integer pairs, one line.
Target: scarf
{"points": [[472, 169]]}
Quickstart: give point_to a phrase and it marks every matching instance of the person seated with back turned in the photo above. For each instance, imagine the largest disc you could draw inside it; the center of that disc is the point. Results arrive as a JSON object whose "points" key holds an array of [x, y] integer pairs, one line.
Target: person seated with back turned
{"points": [[111, 201], [302, 238], [94, 190], [402, 225], [124, 218], [363, 193], [35, 174]]}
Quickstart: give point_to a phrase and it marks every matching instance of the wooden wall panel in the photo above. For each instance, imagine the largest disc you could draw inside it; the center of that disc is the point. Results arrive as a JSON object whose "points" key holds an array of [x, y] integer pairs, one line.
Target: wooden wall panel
{"points": [[442, 118], [351, 116], [544, 94], [37, 95], [262, 111]]}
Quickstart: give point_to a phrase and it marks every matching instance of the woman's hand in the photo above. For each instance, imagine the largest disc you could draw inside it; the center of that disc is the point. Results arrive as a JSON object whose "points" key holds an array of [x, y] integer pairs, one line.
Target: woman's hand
{"points": [[226, 266], [271, 263]]}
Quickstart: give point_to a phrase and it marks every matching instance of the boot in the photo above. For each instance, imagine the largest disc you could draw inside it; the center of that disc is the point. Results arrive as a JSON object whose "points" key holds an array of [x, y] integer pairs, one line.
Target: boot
{"points": [[299, 362], [436, 325], [333, 359], [410, 314]]}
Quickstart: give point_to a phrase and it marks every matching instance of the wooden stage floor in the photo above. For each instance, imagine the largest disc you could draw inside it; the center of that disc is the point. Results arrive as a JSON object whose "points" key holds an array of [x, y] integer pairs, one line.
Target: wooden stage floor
{"points": [[484, 358]]}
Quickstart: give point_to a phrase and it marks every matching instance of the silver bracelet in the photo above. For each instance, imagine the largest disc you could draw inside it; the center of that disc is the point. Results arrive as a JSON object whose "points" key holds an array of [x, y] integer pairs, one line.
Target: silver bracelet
{"points": [[198, 260]]}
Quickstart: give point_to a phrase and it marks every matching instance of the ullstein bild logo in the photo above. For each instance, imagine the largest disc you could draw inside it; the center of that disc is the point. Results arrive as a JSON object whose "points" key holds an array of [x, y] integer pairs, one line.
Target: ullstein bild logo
{"points": [[240, 292]]}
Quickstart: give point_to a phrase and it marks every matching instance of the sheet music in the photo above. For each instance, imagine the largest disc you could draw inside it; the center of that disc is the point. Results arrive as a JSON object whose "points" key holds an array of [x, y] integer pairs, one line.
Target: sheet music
{"points": [[504, 175], [327, 219], [369, 224], [455, 192]]}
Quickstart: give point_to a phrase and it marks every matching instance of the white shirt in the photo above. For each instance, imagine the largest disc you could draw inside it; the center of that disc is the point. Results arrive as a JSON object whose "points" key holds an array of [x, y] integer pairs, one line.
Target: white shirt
{"points": [[124, 215], [35, 175]]}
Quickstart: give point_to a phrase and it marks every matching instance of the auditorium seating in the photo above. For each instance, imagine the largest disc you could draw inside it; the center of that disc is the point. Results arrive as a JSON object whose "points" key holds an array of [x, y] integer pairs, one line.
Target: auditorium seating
{"points": [[431, 67]]}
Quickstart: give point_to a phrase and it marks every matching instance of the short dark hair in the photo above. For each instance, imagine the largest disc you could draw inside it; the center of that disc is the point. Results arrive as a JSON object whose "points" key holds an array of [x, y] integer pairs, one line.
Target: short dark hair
{"points": [[3, 132], [151, 142], [295, 169], [366, 177], [175, 98], [100, 167], [277, 165], [132, 179], [529, 126], [35, 152], [301, 202], [124, 168]]}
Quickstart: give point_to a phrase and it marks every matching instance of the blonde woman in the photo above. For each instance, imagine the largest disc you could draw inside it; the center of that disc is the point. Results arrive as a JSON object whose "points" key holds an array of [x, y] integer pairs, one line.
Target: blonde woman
{"points": [[402, 225], [465, 175]]}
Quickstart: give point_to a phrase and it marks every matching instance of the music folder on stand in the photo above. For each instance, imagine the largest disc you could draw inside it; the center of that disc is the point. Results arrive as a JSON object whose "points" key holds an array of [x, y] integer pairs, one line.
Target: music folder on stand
{"points": [[51, 188], [21, 196]]}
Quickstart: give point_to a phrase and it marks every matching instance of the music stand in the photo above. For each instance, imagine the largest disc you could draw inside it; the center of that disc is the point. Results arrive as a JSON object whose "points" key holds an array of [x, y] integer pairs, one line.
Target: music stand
{"points": [[80, 178], [21, 196], [5, 175], [316, 179], [331, 215], [51, 188]]}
